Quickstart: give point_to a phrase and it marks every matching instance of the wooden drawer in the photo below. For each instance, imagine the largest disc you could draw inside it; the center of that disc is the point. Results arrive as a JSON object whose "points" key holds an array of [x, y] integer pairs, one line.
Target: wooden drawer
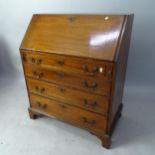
{"points": [[85, 119], [74, 65], [89, 101], [94, 85]]}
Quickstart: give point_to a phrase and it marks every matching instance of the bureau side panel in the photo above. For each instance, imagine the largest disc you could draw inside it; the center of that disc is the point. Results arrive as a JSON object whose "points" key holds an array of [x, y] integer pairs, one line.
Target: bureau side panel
{"points": [[120, 70]]}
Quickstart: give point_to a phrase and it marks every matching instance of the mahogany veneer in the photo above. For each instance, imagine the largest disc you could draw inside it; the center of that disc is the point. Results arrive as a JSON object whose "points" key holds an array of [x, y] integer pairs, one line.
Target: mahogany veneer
{"points": [[74, 67]]}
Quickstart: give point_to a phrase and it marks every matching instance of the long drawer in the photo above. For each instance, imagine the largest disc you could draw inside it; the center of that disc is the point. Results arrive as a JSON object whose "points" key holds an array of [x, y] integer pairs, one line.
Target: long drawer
{"points": [[85, 119], [94, 85], [89, 101], [74, 65]]}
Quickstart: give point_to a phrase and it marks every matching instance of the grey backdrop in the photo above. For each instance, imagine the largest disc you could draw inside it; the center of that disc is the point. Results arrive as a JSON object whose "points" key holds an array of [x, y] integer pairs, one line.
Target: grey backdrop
{"points": [[15, 16], [135, 133]]}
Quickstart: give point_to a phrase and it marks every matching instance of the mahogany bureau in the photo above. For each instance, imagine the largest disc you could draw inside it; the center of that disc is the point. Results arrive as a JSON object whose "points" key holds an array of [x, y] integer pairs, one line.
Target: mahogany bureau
{"points": [[74, 67]]}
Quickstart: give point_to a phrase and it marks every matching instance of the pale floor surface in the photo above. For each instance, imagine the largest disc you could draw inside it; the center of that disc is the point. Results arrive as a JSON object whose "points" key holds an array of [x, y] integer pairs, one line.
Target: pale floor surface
{"points": [[19, 135]]}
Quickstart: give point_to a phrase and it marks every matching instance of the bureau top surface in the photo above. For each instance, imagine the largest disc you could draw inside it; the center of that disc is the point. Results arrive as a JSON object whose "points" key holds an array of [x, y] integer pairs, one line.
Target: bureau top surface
{"points": [[90, 36]]}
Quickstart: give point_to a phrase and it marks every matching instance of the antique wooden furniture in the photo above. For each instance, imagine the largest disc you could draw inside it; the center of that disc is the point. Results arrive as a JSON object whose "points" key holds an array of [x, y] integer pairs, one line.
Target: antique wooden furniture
{"points": [[74, 67]]}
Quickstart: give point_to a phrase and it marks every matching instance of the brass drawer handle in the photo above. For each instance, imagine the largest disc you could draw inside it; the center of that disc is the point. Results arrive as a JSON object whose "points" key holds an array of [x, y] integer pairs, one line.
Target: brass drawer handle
{"points": [[92, 105], [39, 61], [62, 106], [43, 106], [33, 60], [60, 62], [90, 122], [62, 89], [61, 74], [39, 90], [36, 61], [42, 90], [93, 71], [86, 85], [36, 88], [71, 18], [38, 74]]}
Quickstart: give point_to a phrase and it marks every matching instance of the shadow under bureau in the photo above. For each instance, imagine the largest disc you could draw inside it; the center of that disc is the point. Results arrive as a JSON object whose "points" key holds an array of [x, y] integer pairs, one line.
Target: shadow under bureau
{"points": [[74, 66]]}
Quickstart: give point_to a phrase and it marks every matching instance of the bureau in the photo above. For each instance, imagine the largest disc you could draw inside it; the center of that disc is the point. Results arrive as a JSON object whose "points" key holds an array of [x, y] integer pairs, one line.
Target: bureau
{"points": [[74, 67]]}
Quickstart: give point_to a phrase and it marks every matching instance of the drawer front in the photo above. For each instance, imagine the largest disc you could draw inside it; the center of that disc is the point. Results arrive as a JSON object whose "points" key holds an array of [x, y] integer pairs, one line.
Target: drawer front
{"points": [[94, 85], [89, 101], [84, 119], [74, 65]]}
